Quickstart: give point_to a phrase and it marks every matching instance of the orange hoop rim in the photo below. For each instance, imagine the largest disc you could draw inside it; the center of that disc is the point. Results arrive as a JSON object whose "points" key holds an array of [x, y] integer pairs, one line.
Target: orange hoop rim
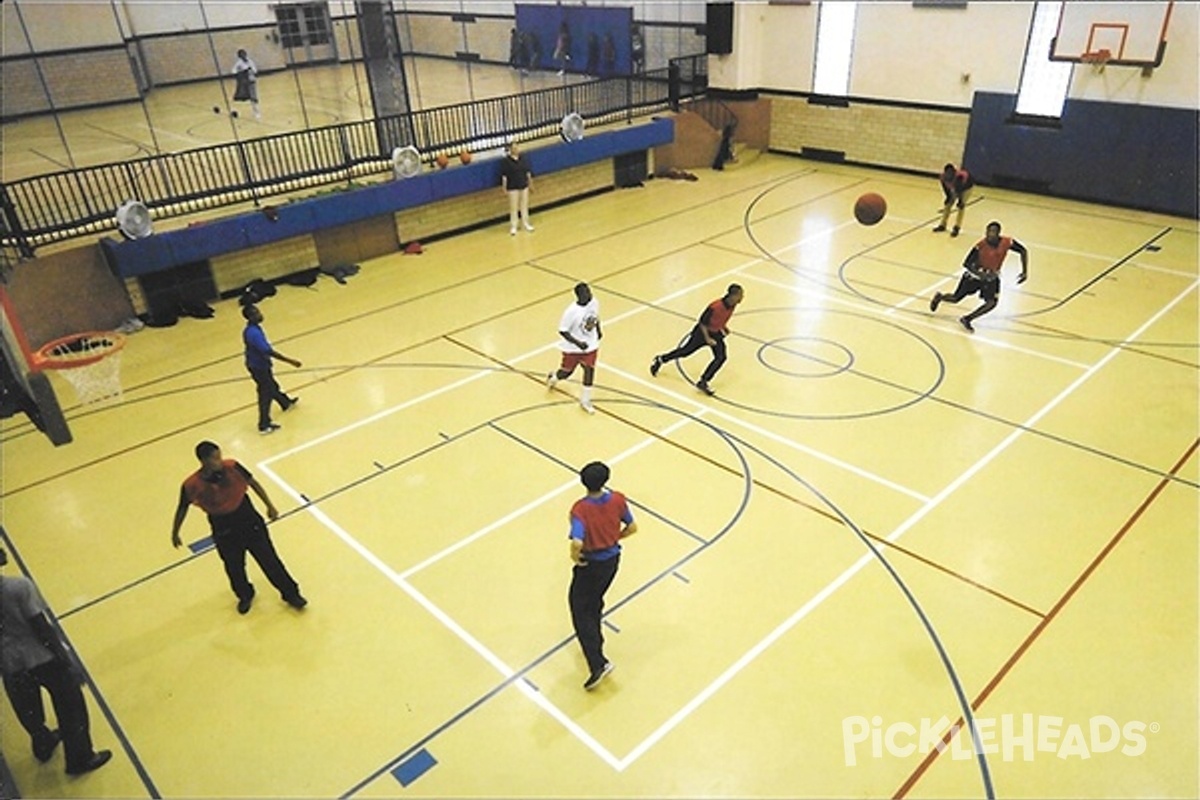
{"points": [[43, 357]]}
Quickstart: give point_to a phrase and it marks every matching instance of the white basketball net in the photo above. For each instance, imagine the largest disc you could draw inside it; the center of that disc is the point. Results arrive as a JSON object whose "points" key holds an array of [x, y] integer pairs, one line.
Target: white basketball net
{"points": [[96, 381]]}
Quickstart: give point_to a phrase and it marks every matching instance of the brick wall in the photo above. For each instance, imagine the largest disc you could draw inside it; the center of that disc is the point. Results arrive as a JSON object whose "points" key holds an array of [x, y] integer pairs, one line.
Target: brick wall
{"points": [[461, 212], [902, 137]]}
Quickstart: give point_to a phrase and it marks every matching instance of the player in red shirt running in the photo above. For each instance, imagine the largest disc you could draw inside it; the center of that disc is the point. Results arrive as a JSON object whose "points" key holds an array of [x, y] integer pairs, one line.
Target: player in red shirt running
{"points": [[710, 330], [982, 273], [599, 522]]}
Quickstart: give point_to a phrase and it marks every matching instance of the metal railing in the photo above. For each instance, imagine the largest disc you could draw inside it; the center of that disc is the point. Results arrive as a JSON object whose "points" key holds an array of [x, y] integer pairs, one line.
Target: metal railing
{"points": [[57, 206]]}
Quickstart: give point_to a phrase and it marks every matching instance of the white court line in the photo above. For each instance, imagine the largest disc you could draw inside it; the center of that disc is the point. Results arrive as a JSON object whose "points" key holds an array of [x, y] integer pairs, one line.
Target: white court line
{"points": [[491, 658], [401, 580], [775, 437], [975, 337], [903, 528], [484, 531]]}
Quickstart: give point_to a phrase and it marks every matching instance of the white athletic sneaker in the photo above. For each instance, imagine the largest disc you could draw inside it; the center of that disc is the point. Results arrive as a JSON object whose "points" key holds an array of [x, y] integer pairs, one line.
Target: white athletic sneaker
{"points": [[588, 407]]}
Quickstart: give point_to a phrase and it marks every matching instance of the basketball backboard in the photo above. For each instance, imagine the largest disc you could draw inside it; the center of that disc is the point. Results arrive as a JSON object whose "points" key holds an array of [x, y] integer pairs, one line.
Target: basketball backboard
{"points": [[1133, 34], [37, 397]]}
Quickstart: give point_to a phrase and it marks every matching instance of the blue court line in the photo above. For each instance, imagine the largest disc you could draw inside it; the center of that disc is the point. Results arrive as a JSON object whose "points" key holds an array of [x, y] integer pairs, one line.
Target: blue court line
{"points": [[200, 545], [416, 766]]}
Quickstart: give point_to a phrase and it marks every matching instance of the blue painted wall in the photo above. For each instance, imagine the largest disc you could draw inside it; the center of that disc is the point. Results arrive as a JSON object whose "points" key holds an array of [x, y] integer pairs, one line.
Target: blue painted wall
{"points": [[171, 249], [1116, 153]]}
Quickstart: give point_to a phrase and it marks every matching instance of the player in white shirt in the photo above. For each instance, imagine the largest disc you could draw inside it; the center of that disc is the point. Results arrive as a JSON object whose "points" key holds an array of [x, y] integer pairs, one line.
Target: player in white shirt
{"points": [[580, 342]]}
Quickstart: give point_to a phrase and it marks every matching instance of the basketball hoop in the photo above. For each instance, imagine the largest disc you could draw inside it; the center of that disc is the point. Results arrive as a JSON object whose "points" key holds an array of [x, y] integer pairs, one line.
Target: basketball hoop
{"points": [[91, 363], [1097, 58]]}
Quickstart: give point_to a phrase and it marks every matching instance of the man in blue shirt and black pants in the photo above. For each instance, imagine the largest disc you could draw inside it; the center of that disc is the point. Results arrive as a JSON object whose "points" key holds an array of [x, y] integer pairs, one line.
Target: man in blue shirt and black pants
{"points": [[258, 361]]}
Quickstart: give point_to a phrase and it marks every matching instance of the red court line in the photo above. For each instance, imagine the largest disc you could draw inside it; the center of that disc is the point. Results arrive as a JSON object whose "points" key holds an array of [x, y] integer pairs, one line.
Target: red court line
{"points": [[932, 755], [884, 543]]}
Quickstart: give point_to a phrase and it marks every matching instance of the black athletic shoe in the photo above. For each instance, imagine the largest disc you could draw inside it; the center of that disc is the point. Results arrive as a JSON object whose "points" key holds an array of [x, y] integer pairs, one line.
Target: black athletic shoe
{"points": [[244, 603], [939, 229], [704, 387], [98, 760], [292, 401], [655, 366], [937, 298], [296, 601], [594, 679], [271, 428], [954, 231], [44, 746], [966, 323]]}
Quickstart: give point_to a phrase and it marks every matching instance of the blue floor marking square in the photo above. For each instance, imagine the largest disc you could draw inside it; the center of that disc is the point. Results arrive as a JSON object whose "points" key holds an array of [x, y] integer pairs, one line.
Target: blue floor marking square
{"points": [[416, 766], [201, 544]]}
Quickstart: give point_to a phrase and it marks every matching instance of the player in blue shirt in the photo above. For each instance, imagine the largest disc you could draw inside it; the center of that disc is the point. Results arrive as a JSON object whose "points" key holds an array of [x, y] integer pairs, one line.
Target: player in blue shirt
{"points": [[258, 362]]}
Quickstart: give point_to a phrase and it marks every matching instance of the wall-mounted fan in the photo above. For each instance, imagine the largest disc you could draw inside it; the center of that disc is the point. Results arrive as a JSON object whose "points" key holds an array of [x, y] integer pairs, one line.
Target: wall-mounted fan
{"points": [[572, 127], [406, 162], [133, 220]]}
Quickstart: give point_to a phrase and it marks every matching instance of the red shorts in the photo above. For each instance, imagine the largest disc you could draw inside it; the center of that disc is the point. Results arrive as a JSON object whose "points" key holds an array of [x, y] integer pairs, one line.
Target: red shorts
{"points": [[572, 360]]}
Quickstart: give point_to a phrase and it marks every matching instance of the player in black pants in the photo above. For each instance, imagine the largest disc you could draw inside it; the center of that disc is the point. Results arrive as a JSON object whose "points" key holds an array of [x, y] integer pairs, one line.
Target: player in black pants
{"points": [[710, 331]]}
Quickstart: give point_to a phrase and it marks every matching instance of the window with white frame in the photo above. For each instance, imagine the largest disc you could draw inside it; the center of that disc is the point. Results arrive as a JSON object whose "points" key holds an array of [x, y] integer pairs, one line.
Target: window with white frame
{"points": [[1044, 83], [835, 45]]}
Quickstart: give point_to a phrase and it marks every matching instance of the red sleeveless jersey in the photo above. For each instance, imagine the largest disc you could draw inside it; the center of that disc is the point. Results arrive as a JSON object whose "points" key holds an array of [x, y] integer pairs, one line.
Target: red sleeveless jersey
{"points": [[601, 520]]}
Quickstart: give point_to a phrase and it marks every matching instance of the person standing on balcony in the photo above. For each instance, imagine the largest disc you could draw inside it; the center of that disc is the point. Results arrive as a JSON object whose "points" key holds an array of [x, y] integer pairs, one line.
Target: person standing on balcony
{"points": [[562, 47], [516, 178], [246, 73]]}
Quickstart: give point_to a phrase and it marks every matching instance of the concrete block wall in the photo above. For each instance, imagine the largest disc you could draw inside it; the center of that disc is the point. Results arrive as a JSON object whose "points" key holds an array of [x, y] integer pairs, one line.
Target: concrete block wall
{"points": [[234, 270], [75, 79], [414, 224], [900, 137]]}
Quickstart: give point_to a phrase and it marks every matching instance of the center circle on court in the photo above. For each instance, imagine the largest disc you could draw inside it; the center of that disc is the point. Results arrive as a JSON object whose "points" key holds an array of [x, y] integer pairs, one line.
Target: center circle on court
{"points": [[805, 356], [869, 365]]}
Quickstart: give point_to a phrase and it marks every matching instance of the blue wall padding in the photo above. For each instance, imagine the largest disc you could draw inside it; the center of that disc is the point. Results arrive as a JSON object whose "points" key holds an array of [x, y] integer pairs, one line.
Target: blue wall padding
{"points": [[203, 241], [1116, 153]]}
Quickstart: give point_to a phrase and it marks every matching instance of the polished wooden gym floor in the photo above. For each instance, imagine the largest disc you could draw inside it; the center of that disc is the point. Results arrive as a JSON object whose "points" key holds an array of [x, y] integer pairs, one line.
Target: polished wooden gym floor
{"points": [[881, 525]]}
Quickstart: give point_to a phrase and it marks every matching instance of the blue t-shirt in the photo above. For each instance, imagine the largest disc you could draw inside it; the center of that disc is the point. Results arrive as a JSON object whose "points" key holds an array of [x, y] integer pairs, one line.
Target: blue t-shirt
{"points": [[258, 349]]}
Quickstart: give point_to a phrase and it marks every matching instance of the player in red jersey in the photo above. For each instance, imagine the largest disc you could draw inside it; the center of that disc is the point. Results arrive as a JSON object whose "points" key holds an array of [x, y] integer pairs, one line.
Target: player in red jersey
{"points": [[710, 330], [982, 273], [956, 186], [599, 522]]}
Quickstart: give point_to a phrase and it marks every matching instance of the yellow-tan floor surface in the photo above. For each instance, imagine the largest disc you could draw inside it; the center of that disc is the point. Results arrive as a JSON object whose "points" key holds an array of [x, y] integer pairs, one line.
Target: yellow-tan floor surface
{"points": [[890, 558]]}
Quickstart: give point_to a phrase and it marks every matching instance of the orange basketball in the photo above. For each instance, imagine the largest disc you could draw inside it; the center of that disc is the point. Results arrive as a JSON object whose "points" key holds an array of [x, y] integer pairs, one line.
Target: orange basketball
{"points": [[870, 208], [442, 160], [465, 156]]}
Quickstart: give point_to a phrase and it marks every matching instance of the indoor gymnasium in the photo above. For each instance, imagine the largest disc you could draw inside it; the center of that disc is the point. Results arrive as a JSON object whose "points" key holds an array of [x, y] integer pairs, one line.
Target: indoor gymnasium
{"points": [[610, 399]]}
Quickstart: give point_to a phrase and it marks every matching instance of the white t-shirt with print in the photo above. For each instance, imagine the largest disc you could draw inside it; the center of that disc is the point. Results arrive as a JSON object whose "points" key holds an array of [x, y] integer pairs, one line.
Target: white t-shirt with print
{"points": [[583, 323]]}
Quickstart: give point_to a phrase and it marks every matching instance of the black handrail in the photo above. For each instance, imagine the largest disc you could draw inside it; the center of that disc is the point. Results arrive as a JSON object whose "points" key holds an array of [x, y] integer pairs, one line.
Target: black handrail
{"points": [[61, 205]]}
